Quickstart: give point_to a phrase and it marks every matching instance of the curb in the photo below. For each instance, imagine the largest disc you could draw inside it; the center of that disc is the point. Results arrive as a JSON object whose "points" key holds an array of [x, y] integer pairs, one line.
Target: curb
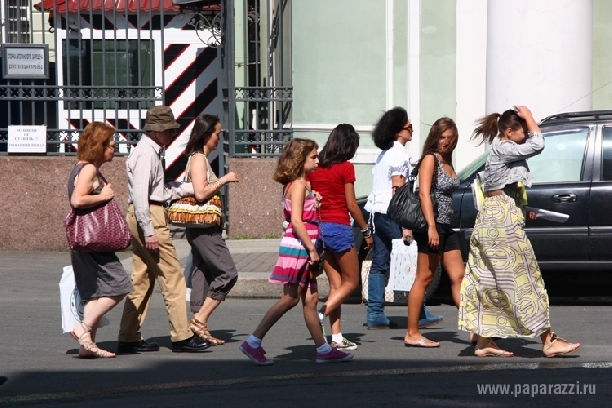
{"points": [[250, 285]]}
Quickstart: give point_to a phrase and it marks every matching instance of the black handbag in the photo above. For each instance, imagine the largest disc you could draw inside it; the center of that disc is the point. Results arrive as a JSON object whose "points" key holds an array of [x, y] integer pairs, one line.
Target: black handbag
{"points": [[405, 205]]}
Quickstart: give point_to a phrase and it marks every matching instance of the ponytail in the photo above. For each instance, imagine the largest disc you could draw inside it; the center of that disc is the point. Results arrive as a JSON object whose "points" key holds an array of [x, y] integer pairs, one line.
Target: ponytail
{"points": [[487, 129], [491, 125]]}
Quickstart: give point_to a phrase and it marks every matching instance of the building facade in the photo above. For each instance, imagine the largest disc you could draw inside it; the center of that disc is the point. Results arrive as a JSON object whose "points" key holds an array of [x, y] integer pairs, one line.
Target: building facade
{"points": [[353, 59]]}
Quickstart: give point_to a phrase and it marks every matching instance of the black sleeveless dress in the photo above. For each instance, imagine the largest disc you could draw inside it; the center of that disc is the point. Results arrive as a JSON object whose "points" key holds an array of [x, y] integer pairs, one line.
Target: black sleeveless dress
{"points": [[97, 274]]}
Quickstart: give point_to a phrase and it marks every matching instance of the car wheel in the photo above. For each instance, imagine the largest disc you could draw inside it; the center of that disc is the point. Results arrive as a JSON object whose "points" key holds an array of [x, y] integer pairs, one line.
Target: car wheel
{"points": [[435, 283]]}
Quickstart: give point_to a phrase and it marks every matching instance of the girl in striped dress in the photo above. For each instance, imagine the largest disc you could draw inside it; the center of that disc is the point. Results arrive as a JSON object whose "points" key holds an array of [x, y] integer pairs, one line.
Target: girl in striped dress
{"points": [[296, 253]]}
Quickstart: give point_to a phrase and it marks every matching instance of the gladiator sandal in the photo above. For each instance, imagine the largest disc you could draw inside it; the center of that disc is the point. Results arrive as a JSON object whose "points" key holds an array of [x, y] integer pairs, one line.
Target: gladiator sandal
{"points": [[201, 330], [92, 349]]}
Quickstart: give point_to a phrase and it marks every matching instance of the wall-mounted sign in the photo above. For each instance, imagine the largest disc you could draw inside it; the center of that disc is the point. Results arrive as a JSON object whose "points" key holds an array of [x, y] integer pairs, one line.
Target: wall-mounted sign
{"points": [[27, 139], [25, 61]]}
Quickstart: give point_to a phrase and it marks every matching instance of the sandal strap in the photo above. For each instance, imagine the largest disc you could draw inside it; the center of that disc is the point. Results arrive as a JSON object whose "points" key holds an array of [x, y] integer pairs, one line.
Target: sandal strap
{"points": [[554, 338], [90, 346], [488, 342], [201, 329]]}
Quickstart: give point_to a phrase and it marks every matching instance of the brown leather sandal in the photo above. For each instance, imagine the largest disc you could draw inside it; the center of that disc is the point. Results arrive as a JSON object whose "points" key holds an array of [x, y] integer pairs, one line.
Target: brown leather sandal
{"points": [[201, 330], [570, 348], [92, 350]]}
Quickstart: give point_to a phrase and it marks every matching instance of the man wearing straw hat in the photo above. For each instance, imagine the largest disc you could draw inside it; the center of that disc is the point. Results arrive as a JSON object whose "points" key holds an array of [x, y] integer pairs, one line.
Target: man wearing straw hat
{"points": [[154, 253]]}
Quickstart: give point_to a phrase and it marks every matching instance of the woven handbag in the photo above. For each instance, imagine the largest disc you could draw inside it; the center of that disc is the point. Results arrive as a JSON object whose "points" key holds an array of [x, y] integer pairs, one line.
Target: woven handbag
{"points": [[187, 212], [99, 229]]}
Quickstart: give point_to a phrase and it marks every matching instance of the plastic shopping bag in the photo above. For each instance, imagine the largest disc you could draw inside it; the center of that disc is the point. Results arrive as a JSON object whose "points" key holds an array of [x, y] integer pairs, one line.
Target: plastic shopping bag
{"points": [[73, 307], [391, 296], [189, 269], [403, 265]]}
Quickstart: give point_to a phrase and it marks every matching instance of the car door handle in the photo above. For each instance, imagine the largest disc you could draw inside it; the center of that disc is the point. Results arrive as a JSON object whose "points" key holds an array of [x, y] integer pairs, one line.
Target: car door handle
{"points": [[564, 198]]}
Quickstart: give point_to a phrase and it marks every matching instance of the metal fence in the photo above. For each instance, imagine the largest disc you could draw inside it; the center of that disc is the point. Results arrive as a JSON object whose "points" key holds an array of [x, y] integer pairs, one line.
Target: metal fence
{"points": [[259, 95], [101, 67], [107, 62]]}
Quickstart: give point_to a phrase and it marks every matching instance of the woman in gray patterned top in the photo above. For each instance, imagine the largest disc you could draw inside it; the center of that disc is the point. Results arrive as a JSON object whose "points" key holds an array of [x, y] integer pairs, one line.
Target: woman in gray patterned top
{"points": [[503, 294], [439, 243]]}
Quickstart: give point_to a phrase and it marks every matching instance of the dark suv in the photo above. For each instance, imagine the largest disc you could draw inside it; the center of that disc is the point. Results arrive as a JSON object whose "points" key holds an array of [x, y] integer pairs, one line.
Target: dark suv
{"points": [[573, 175]]}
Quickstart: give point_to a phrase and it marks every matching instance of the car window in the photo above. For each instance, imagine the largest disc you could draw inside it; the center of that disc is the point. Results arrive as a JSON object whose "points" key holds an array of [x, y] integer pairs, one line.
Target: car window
{"points": [[468, 171], [606, 154], [562, 158]]}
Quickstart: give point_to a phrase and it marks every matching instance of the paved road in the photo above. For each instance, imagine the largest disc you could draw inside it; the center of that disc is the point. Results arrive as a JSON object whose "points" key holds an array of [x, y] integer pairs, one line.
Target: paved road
{"points": [[42, 369]]}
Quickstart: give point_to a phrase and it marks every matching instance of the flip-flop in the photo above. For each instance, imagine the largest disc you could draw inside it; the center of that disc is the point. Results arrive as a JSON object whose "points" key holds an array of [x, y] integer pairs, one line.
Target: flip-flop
{"points": [[421, 343]]}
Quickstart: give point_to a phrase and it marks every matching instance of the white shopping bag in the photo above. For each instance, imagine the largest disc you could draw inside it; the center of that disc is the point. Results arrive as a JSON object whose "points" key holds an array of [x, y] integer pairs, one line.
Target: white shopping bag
{"points": [[188, 272], [72, 305], [403, 265], [391, 296]]}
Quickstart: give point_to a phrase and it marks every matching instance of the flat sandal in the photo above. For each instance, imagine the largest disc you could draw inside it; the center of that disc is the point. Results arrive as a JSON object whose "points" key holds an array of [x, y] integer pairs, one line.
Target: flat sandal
{"points": [[201, 330], [490, 349], [570, 348]]}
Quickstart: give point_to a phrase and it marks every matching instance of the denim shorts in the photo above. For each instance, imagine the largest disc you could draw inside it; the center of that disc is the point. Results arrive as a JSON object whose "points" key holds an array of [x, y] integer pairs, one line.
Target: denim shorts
{"points": [[337, 237]]}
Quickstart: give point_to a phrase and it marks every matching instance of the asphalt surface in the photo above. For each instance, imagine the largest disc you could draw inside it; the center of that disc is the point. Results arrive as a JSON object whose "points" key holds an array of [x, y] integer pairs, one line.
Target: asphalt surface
{"points": [[41, 368]]}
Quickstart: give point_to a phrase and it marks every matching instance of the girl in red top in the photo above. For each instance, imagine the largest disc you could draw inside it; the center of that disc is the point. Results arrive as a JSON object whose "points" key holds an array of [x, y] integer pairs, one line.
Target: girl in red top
{"points": [[334, 179]]}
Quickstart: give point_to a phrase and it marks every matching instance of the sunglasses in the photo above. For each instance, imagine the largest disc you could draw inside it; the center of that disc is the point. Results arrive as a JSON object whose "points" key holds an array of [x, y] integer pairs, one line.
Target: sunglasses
{"points": [[408, 128]]}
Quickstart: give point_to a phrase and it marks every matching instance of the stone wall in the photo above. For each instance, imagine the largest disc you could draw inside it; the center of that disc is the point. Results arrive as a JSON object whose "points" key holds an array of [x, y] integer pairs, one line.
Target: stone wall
{"points": [[255, 203], [35, 200]]}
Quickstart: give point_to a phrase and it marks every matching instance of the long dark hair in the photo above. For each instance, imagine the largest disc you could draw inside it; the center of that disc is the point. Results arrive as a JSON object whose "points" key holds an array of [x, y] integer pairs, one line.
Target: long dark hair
{"points": [[341, 145], [202, 130], [388, 126], [492, 125], [431, 144], [435, 133]]}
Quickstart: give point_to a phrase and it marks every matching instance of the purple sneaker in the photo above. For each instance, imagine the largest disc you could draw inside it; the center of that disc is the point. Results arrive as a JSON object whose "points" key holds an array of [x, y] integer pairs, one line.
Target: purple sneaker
{"points": [[334, 356], [256, 355]]}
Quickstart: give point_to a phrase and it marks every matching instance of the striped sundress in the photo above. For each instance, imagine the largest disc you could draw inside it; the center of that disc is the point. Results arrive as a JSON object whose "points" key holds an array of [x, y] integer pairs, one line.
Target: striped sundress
{"points": [[291, 267]]}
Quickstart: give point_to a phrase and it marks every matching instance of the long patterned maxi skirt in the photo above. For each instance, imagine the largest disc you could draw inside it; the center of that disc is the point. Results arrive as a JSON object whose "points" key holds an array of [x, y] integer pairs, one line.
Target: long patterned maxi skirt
{"points": [[502, 293]]}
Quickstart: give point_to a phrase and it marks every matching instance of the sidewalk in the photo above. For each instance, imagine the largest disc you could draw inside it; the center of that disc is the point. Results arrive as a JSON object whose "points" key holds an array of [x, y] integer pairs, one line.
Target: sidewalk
{"points": [[254, 258]]}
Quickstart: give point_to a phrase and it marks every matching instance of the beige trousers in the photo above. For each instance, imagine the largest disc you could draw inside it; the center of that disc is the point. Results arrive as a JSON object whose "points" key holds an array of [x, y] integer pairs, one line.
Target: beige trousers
{"points": [[148, 266]]}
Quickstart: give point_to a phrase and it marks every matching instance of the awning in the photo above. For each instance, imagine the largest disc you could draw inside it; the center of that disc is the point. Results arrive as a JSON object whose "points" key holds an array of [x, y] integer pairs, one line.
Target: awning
{"points": [[75, 6]]}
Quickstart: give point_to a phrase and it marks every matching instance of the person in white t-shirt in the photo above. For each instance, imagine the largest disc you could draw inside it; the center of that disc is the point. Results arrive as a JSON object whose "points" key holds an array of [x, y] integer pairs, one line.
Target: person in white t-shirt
{"points": [[391, 133]]}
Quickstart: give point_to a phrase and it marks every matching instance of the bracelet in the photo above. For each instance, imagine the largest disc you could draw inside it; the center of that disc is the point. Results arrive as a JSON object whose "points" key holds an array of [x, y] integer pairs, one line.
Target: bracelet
{"points": [[367, 233], [217, 184]]}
